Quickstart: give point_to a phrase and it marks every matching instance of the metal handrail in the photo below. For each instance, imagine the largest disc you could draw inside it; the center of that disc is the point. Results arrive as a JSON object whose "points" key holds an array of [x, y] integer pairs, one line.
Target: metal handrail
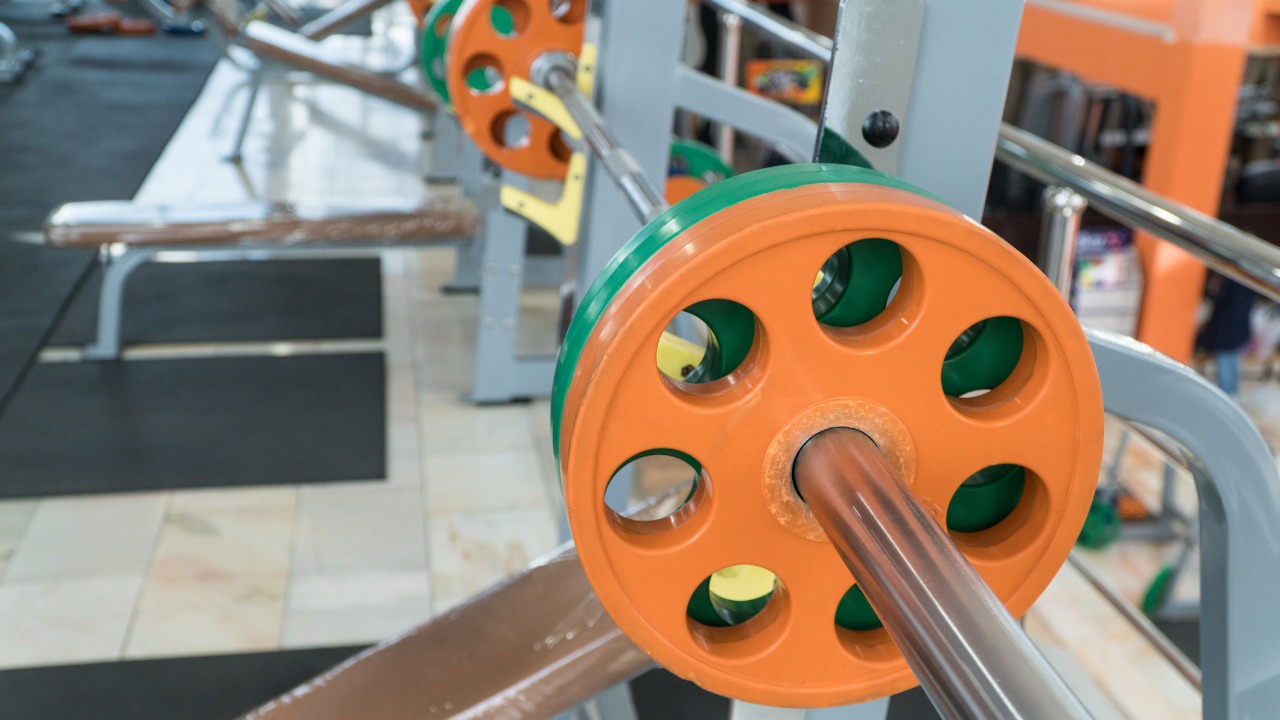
{"points": [[1242, 256]]}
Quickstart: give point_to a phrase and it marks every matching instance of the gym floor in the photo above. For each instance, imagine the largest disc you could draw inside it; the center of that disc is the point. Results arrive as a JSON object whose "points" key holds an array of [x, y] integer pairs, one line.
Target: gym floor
{"points": [[469, 493]]}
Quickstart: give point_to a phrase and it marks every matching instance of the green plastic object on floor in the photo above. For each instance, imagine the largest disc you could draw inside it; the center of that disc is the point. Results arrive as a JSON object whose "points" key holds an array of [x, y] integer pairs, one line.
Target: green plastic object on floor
{"points": [[1158, 591], [1101, 526]]}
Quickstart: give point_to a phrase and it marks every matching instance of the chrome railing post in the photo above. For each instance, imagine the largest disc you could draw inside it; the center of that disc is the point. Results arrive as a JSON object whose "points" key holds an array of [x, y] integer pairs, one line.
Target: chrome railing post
{"points": [[730, 56], [1063, 208]]}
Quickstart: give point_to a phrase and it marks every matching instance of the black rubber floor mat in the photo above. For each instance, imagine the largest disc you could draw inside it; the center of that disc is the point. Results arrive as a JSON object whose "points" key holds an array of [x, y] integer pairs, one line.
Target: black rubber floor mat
{"points": [[219, 687], [161, 424], [237, 301], [86, 123]]}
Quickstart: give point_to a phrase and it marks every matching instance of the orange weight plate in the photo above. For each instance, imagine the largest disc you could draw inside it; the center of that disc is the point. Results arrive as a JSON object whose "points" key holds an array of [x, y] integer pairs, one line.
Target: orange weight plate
{"points": [[680, 187], [419, 8], [740, 433], [480, 60]]}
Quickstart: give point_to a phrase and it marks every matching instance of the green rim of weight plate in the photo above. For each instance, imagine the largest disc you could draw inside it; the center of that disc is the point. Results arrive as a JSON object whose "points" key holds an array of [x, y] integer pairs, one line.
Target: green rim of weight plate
{"points": [[690, 157], [435, 45], [970, 370]]}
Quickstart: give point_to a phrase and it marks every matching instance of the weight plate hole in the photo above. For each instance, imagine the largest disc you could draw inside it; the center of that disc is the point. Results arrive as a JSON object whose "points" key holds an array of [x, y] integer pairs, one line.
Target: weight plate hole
{"points": [[442, 25], [983, 357], [857, 283], [509, 18], [732, 596], [708, 341], [993, 506], [560, 149], [986, 498], [656, 490], [568, 11], [855, 612], [510, 129], [484, 75]]}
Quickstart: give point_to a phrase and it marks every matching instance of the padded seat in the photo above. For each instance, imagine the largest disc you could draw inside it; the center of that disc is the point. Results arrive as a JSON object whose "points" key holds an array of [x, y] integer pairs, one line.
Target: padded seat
{"points": [[94, 224]]}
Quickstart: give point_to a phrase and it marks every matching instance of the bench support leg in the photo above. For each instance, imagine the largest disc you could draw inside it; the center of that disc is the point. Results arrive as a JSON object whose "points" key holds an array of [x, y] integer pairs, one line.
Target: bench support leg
{"points": [[116, 270]]}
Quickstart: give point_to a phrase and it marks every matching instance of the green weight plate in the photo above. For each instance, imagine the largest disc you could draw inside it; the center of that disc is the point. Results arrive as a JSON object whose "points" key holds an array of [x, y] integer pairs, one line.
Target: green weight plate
{"points": [[690, 157], [855, 613], [835, 149], [982, 357], [435, 44], [860, 282], [732, 329], [986, 498]]}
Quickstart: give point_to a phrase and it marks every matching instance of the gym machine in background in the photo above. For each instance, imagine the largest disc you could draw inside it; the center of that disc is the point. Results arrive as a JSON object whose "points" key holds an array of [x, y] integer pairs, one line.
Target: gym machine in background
{"points": [[792, 426], [846, 367], [496, 260]]}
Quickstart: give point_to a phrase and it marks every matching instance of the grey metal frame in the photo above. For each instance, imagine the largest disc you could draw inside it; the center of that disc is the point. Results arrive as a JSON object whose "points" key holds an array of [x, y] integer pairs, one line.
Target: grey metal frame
{"points": [[447, 141], [1239, 490], [119, 262], [501, 373]]}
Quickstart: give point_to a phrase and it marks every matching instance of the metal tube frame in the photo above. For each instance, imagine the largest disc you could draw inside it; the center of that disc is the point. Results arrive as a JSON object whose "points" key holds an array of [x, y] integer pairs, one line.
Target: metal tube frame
{"points": [[1233, 252], [1239, 489], [636, 186], [333, 21], [728, 61], [1063, 208], [1149, 631]]}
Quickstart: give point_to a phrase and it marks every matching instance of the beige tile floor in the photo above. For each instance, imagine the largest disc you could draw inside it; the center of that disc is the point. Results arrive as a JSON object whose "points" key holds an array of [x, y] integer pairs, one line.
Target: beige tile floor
{"points": [[468, 494], [471, 493]]}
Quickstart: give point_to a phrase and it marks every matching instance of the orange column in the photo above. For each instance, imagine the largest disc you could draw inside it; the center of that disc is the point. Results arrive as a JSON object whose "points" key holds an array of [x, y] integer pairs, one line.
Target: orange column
{"points": [[1194, 77], [1186, 161]]}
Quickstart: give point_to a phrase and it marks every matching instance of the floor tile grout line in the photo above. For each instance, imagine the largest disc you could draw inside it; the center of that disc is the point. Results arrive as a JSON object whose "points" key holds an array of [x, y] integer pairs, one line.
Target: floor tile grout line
{"points": [[146, 573], [411, 278], [286, 595], [22, 536]]}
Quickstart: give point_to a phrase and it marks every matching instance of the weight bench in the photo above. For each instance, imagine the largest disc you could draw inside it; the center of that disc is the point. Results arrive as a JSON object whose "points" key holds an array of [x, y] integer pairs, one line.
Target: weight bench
{"points": [[128, 234], [301, 50]]}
